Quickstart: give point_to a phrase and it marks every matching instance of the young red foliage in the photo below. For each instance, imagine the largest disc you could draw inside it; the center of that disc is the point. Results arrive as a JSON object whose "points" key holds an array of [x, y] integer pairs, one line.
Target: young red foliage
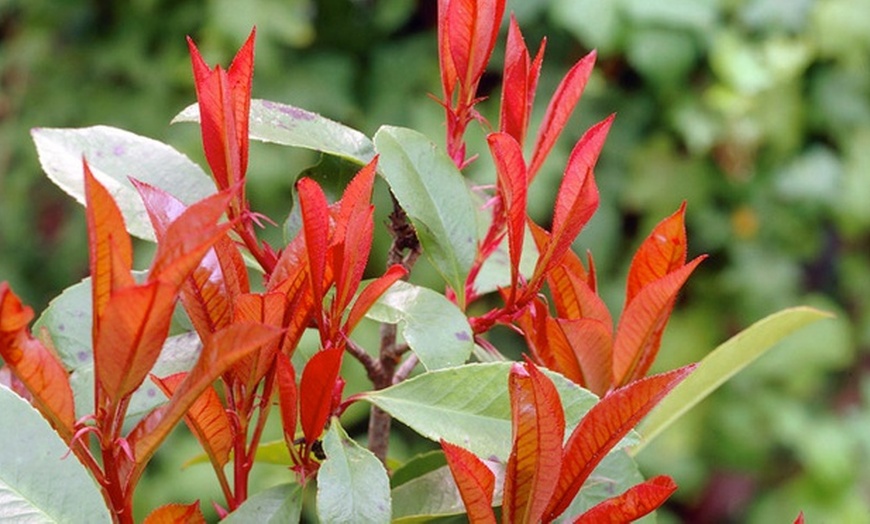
{"points": [[176, 514], [475, 481], [316, 392], [636, 502], [471, 30], [662, 252], [512, 185], [317, 232], [520, 82], [288, 398], [371, 293], [268, 309]]}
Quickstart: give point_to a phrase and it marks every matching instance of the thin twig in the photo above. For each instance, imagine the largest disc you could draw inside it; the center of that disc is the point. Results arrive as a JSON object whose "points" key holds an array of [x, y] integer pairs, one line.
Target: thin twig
{"points": [[405, 369]]}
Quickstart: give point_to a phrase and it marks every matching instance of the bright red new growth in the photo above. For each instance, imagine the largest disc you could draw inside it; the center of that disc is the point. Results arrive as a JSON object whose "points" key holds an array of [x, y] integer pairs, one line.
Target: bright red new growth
{"points": [[475, 481], [316, 392], [635, 503]]}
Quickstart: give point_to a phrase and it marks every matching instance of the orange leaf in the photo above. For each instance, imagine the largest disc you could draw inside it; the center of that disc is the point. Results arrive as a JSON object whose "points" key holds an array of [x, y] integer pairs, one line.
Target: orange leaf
{"points": [[111, 253], [663, 252], [538, 425], [636, 502], [603, 427], [206, 418], [559, 110], [316, 231], [35, 365], [449, 76], [591, 344], [371, 293], [288, 397], [316, 391], [176, 514], [547, 341], [640, 329], [512, 189], [572, 295], [472, 28], [475, 481]]}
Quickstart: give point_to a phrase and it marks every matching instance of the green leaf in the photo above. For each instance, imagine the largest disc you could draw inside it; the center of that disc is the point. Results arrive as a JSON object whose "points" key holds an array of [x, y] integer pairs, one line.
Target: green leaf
{"points": [[433, 193], [352, 484], [274, 452], [114, 155], [37, 484], [431, 495], [278, 504], [417, 466], [469, 405], [68, 320], [291, 126], [433, 327], [723, 363]]}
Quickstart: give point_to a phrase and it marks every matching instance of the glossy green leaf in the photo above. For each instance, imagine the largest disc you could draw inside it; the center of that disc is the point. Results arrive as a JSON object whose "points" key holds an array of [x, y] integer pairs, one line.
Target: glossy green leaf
{"points": [[291, 126], [274, 452], [432, 326], [433, 193], [352, 484], [723, 363], [37, 484], [427, 496], [114, 155], [469, 405], [417, 466], [281, 504]]}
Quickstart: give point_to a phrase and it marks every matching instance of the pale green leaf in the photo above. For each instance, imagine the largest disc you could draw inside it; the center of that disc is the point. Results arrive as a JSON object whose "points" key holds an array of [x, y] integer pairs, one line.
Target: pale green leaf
{"points": [[274, 452], [433, 193], [291, 126], [39, 483], [434, 328], [469, 405], [723, 363], [281, 504], [352, 484], [114, 155]]}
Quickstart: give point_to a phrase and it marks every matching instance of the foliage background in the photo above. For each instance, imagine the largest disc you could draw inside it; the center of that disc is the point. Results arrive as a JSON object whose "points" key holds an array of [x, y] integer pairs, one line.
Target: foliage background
{"points": [[757, 112]]}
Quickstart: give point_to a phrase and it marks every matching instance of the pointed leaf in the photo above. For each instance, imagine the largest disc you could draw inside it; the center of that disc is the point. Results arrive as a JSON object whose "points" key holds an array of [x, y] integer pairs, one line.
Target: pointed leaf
{"points": [[268, 309], [516, 100], [475, 481], [372, 292], [547, 341], [288, 396], [449, 76], [724, 362], [433, 495], [36, 483], [512, 186], [469, 405], [113, 155], [538, 426], [240, 76], [638, 501], [432, 191], [559, 110], [176, 514], [352, 484], [591, 344], [640, 329], [316, 228], [472, 28], [34, 365], [281, 504], [287, 125], [663, 252], [572, 295], [206, 418], [315, 391], [603, 427]]}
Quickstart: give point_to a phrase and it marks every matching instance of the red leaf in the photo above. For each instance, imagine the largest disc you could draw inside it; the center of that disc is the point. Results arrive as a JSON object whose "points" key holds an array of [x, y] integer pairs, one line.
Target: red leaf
{"points": [[176, 514], [472, 28], [636, 502], [219, 352], [512, 189], [316, 391], [800, 518], [538, 425], [475, 481], [35, 365], [288, 397], [663, 252], [603, 427], [445, 60], [206, 418], [519, 85], [591, 344], [371, 293], [559, 110], [111, 254], [640, 329], [547, 341], [316, 231], [572, 295]]}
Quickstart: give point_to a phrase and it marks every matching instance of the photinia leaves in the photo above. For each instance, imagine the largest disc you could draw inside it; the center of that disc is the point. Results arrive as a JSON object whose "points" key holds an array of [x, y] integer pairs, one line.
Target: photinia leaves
{"points": [[316, 390], [591, 343], [176, 514], [538, 426], [636, 502], [288, 397], [372, 293], [603, 427], [268, 309], [475, 481], [316, 231], [663, 252], [512, 186], [38, 368], [520, 80], [471, 30]]}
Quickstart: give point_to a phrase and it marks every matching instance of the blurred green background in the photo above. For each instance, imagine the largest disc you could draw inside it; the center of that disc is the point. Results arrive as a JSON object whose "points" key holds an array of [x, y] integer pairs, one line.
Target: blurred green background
{"points": [[757, 112]]}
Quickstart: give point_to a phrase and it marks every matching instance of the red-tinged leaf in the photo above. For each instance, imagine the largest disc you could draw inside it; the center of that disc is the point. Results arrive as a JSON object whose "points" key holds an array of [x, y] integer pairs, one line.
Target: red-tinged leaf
{"points": [[603, 427], [547, 341], [559, 110], [643, 321], [268, 309], [206, 418], [316, 391], [219, 352], [371, 293], [800, 518], [475, 481], [591, 343], [636, 502], [516, 99], [572, 295], [445, 60], [472, 28], [663, 252], [135, 325], [176, 514], [241, 76], [109, 245], [538, 425], [288, 397], [35, 365], [316, 231], [512, 189]]}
